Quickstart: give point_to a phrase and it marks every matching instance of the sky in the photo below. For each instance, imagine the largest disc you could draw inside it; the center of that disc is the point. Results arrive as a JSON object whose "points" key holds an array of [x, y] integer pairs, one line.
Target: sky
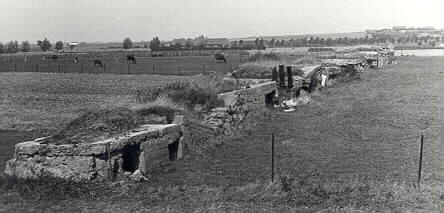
{"points": [[113, 20]]}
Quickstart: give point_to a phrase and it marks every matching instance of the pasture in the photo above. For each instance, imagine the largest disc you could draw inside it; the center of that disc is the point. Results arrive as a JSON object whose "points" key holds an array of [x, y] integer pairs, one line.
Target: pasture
{"points": [[116, 63], [354, 138]]}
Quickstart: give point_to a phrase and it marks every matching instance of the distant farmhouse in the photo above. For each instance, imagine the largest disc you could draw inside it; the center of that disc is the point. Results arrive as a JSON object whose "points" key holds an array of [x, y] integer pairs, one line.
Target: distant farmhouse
{"points": [[217, 43]]}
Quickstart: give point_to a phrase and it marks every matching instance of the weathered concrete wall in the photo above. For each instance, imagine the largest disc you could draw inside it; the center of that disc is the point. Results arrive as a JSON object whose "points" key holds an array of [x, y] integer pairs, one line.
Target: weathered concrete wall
{"points": [[145, 149], [253, 95]]}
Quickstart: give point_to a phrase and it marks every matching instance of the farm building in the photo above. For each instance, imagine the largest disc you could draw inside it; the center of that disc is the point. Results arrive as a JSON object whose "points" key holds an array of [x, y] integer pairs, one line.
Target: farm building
{"points": [[217, 43]]}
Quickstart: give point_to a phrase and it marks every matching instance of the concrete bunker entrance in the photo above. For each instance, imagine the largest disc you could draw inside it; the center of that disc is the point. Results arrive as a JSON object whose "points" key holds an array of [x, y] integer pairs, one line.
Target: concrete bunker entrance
{"points": [[173, 149], [270, 98], [130, 157]]}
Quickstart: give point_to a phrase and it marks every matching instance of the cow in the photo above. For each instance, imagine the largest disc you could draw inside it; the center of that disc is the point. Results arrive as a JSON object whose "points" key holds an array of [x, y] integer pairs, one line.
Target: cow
{"points": [[131, 59], [98, 63], [53, 57], [76, 59], [220, 57]]}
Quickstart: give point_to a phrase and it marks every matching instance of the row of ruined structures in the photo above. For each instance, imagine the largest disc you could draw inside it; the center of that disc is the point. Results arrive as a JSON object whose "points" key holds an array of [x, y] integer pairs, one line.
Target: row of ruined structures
{"points": [[153, 148]]}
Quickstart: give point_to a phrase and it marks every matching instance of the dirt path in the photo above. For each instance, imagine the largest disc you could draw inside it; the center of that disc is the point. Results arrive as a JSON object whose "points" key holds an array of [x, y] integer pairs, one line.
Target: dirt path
{"points": [[368, 128]]}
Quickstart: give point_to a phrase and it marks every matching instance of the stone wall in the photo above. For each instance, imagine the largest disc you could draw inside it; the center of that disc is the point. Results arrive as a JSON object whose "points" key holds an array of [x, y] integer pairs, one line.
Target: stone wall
{"points": [[145, 149]]}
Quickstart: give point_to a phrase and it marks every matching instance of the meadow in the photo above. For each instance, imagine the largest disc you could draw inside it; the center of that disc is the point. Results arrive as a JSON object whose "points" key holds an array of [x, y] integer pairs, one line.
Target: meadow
{"points": [[354, 147], [116, 63]]}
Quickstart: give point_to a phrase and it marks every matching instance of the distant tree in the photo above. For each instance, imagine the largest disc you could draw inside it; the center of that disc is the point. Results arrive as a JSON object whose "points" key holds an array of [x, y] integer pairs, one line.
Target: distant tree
{"points": [[12, 47], [177, 45], [241, 43], [345, 40], [2, 48], [291, 42], [127, 43], [45, 45], [155, 44], [328, 42], [235, 44], [433, 43], [272, 42], [25, 47], [59, 45], [201, 41], [256, 43], [189, 43]]}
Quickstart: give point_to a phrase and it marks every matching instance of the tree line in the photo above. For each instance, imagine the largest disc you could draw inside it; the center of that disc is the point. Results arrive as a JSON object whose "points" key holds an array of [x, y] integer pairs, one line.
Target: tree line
{"points": [[25, 46], [200, 43]]}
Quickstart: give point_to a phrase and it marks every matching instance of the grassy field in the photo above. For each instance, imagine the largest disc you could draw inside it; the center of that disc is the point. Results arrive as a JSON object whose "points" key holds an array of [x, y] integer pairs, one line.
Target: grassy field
{"points": [[354, 147], [117, 64]]}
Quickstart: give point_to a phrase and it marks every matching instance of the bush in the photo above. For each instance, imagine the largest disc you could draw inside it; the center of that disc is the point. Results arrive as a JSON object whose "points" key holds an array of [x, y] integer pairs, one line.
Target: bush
{"points": [[255, 70], [201, 91]]}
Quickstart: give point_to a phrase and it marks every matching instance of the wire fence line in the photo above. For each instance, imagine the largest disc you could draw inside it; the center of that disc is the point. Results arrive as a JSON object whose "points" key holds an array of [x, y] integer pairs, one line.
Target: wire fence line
{"points": [[186, 65], [121, 68]]}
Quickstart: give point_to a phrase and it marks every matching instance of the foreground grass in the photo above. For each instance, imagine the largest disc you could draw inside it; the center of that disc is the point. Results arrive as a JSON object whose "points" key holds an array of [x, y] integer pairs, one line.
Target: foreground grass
{"points": [[303, 193]]}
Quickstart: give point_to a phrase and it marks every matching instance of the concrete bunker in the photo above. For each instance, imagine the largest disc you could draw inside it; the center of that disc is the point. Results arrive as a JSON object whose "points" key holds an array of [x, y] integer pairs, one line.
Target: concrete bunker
{"points": [[148, 149]]}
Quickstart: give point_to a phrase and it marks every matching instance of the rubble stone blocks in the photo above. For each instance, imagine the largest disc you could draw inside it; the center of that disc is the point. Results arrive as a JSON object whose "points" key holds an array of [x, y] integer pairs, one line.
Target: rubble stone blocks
{"points": [[145, 149]]}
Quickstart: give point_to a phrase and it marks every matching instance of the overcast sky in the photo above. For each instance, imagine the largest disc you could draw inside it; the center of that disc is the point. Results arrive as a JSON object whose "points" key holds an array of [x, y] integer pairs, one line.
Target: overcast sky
{"points": [[113, 20]]}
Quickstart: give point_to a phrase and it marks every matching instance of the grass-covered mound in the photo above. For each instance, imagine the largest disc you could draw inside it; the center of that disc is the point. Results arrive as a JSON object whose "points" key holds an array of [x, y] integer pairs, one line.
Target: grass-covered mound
{"points": [[104, 123], [191, 95], [258, 70]]}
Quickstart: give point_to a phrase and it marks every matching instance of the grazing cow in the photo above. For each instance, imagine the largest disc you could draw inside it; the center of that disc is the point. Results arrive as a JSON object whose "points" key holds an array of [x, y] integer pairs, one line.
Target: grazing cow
{"points": [[220, 57], [98, 63], [131, 59], [53, 57], [76, 59]]}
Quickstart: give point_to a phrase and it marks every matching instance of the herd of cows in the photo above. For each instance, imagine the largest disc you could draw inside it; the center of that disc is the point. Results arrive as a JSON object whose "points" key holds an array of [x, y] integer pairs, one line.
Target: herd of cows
{"points": [[131, 59]]}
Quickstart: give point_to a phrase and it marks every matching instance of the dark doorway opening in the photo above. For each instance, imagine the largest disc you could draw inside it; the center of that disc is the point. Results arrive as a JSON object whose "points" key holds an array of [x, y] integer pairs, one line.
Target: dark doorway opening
{"points": [[130, 156], [172, 149], [270, 98]]}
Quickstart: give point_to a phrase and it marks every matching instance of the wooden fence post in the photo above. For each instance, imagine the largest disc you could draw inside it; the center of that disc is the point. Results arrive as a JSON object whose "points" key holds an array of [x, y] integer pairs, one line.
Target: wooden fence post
{"points": [[128, 68], [272, 157], [104, 68], [274, 74], [81, 68], [154, 68], [15, 67], [420, 161], [281, 76], [59, 68], [289, 77], [36, 67]]}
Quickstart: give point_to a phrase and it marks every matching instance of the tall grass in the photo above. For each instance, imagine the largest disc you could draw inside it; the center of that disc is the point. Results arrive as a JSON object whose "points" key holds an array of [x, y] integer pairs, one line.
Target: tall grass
{"points": [[199, 93], [308, 191]]}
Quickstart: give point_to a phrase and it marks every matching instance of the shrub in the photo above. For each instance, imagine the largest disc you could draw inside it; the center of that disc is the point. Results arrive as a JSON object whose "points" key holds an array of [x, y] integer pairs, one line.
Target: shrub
{"points": [[201, 91]]}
